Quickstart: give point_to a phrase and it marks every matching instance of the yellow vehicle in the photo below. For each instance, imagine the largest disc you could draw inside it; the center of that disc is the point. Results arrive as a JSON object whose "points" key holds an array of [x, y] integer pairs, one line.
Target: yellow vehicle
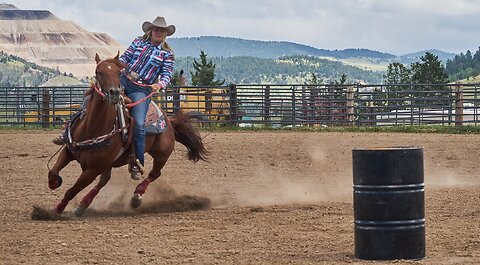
{"points": [[57, 115], [204, 104]]}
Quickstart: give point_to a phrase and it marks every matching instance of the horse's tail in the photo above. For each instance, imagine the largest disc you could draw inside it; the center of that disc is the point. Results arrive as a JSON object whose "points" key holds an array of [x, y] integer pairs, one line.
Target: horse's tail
{"points": [[188, 135]]}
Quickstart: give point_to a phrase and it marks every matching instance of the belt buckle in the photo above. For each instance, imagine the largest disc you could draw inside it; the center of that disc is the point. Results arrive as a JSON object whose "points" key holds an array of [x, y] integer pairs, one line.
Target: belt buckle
{"points": [[134, 75]]}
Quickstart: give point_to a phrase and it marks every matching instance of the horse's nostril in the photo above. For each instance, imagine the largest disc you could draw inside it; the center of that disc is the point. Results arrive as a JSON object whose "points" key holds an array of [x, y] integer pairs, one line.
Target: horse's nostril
{"points": [[114, 92]]}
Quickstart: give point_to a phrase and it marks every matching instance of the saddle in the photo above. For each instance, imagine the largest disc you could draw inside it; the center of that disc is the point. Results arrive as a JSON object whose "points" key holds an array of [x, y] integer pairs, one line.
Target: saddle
{"points": [[155, 121]]}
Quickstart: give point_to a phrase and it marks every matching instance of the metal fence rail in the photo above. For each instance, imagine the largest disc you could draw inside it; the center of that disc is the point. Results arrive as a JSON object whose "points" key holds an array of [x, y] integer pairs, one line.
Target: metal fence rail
{"points": [[271, 105], [38, 105]]}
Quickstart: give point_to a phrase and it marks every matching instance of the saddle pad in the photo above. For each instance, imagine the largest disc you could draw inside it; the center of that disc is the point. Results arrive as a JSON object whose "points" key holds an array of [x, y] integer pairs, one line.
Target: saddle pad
{"points": [[155, 121]]}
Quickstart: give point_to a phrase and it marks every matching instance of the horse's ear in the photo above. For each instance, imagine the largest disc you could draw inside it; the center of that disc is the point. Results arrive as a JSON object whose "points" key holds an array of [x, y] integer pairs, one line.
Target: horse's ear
{"points": [[119, 63], [97, 58]]}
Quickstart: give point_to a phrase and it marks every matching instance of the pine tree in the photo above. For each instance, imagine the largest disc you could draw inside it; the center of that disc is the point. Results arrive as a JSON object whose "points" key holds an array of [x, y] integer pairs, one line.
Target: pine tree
{"points": [[314, 79], [343, 80], [397, 73], [175, 80], [204, 72], [429, 71]]}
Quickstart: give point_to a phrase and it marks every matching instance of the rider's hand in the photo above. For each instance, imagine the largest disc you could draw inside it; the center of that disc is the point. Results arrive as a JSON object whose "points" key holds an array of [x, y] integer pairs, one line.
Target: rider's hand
{"points": [[156, 87]]}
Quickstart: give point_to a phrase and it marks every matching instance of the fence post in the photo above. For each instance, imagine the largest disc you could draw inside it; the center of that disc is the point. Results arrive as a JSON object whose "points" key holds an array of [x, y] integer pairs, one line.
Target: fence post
{"points": [[267, 105], [459, 106], [330, 104], [350, 111], [312, 108], [294, 107], [45, 108], [176, 100], [233, 105]]}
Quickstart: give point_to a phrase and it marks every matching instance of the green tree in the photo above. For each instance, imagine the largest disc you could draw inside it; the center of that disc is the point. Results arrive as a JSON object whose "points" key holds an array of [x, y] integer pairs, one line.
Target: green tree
{"points": [[204, 72], [314, 79], [343, 80], [429, 71], [175, 80], [397, 76], [397, 73]]}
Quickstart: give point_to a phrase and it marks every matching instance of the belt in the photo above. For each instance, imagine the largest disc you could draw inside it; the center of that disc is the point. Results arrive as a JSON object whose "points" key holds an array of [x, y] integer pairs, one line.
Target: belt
{"points": [[133, 76]]}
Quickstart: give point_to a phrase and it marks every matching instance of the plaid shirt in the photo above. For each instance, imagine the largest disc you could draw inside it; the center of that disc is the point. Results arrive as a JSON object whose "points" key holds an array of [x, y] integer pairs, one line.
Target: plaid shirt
{"points": [[152, 63]]}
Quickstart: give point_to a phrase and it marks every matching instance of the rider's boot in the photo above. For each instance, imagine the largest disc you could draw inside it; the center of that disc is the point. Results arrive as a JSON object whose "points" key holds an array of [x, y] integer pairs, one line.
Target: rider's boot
{"points": [[136, 169], [59, 140]]}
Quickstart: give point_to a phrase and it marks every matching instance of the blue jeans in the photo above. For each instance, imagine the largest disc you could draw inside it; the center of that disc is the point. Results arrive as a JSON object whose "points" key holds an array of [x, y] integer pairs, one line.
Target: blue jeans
{"points": [[139, 114]]}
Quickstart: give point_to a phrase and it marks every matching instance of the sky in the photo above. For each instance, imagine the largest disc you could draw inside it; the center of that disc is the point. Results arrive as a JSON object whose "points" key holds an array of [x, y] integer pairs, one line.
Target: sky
{"points": [[393, 26]]}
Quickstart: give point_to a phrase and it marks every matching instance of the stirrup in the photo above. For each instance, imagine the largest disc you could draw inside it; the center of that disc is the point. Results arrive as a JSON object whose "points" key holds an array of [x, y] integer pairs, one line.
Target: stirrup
{"points": [[136, 170]]}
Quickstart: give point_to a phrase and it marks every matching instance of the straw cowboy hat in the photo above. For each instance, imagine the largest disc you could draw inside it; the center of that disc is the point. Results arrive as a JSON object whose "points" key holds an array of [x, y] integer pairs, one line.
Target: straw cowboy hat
{"points": [[158, 22]]}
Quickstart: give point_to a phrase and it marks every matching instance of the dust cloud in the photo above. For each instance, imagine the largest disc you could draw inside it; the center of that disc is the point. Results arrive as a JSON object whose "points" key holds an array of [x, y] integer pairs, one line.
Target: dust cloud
{"points": [[313, 184], [438, 177], [159, 198]]}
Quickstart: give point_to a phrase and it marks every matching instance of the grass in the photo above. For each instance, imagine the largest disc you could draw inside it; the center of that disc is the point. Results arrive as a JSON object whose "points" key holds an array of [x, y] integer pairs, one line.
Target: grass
{"points": [[27, 128], [362, 63], [471, 80], [440, 129]]}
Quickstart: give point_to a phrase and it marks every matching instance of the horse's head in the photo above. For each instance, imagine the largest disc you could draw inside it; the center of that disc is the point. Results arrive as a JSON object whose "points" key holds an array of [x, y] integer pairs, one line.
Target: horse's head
{"points": [[107, 76]]}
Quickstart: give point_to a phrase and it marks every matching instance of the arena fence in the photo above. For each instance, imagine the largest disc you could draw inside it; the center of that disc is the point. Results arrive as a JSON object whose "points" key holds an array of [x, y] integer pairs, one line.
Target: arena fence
{"points": [[271, 105]]}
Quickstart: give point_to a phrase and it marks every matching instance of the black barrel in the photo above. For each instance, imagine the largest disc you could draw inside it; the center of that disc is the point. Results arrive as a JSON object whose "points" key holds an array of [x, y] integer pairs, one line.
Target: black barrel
{"points": [[389, 203]]}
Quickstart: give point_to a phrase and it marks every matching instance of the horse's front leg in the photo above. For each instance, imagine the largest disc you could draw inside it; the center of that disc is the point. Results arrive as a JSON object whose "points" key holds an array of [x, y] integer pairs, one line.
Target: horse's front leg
{"points": [[87, 199], [85, 179], [54, 179]]}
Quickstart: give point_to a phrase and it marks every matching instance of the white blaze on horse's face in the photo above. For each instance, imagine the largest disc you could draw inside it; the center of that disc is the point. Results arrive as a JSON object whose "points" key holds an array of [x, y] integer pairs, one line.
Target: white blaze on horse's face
{"points": [[108, 76]]}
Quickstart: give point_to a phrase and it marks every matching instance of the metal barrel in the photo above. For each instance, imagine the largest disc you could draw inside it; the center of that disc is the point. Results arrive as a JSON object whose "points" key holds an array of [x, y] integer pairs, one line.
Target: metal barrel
{"points": [[389, 203]]}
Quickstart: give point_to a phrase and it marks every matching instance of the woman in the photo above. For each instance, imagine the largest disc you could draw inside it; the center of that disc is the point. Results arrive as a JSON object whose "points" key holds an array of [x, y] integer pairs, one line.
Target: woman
{"points": [[149, 65]]}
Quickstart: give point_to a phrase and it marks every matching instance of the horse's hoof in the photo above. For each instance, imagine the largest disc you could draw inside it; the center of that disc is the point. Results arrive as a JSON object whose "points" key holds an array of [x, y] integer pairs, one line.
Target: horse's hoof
{"points": [[136, 200], [58, 182], [80, 210]]}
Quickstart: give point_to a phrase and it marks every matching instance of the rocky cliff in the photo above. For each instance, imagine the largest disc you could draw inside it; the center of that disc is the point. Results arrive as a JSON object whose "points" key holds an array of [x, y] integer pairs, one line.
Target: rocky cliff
{"points": [[42, 38]]}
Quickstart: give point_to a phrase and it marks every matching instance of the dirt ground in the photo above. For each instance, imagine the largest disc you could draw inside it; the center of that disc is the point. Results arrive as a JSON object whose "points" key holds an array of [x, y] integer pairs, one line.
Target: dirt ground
{"points": [[263, 198]]}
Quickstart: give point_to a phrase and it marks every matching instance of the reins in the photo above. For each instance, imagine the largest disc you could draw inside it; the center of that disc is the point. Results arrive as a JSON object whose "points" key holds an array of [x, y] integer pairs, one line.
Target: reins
{"points": [[140, 101], [97, 89], [143, 99]]}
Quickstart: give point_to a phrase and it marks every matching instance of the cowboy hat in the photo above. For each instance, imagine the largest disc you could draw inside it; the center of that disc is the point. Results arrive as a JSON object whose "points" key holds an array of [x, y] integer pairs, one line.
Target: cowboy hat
{"points": [[160, 23]]}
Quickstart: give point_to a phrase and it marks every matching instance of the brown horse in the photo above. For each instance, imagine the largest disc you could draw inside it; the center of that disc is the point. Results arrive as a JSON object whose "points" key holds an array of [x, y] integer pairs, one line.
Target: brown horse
{"points": [[96, 140]]}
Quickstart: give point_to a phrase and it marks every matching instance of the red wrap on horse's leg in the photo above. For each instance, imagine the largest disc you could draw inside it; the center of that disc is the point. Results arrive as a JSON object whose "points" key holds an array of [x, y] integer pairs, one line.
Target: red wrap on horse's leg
{"points": [[87, 199], [60, 207], [142, 187]]}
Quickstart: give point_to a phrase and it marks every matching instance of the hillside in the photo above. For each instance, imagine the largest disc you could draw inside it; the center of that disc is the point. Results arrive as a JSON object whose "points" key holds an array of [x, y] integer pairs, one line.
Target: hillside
{"points": [[414, 57], [15, 71], [216, 46], [285, 70], [42, 38], [232, 47]]}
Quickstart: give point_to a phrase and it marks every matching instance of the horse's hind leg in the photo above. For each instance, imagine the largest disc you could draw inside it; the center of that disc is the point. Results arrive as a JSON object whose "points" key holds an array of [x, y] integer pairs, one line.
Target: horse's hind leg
{"points": [[85, 179], [87, 199], [54, 179], [159, 161]]}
